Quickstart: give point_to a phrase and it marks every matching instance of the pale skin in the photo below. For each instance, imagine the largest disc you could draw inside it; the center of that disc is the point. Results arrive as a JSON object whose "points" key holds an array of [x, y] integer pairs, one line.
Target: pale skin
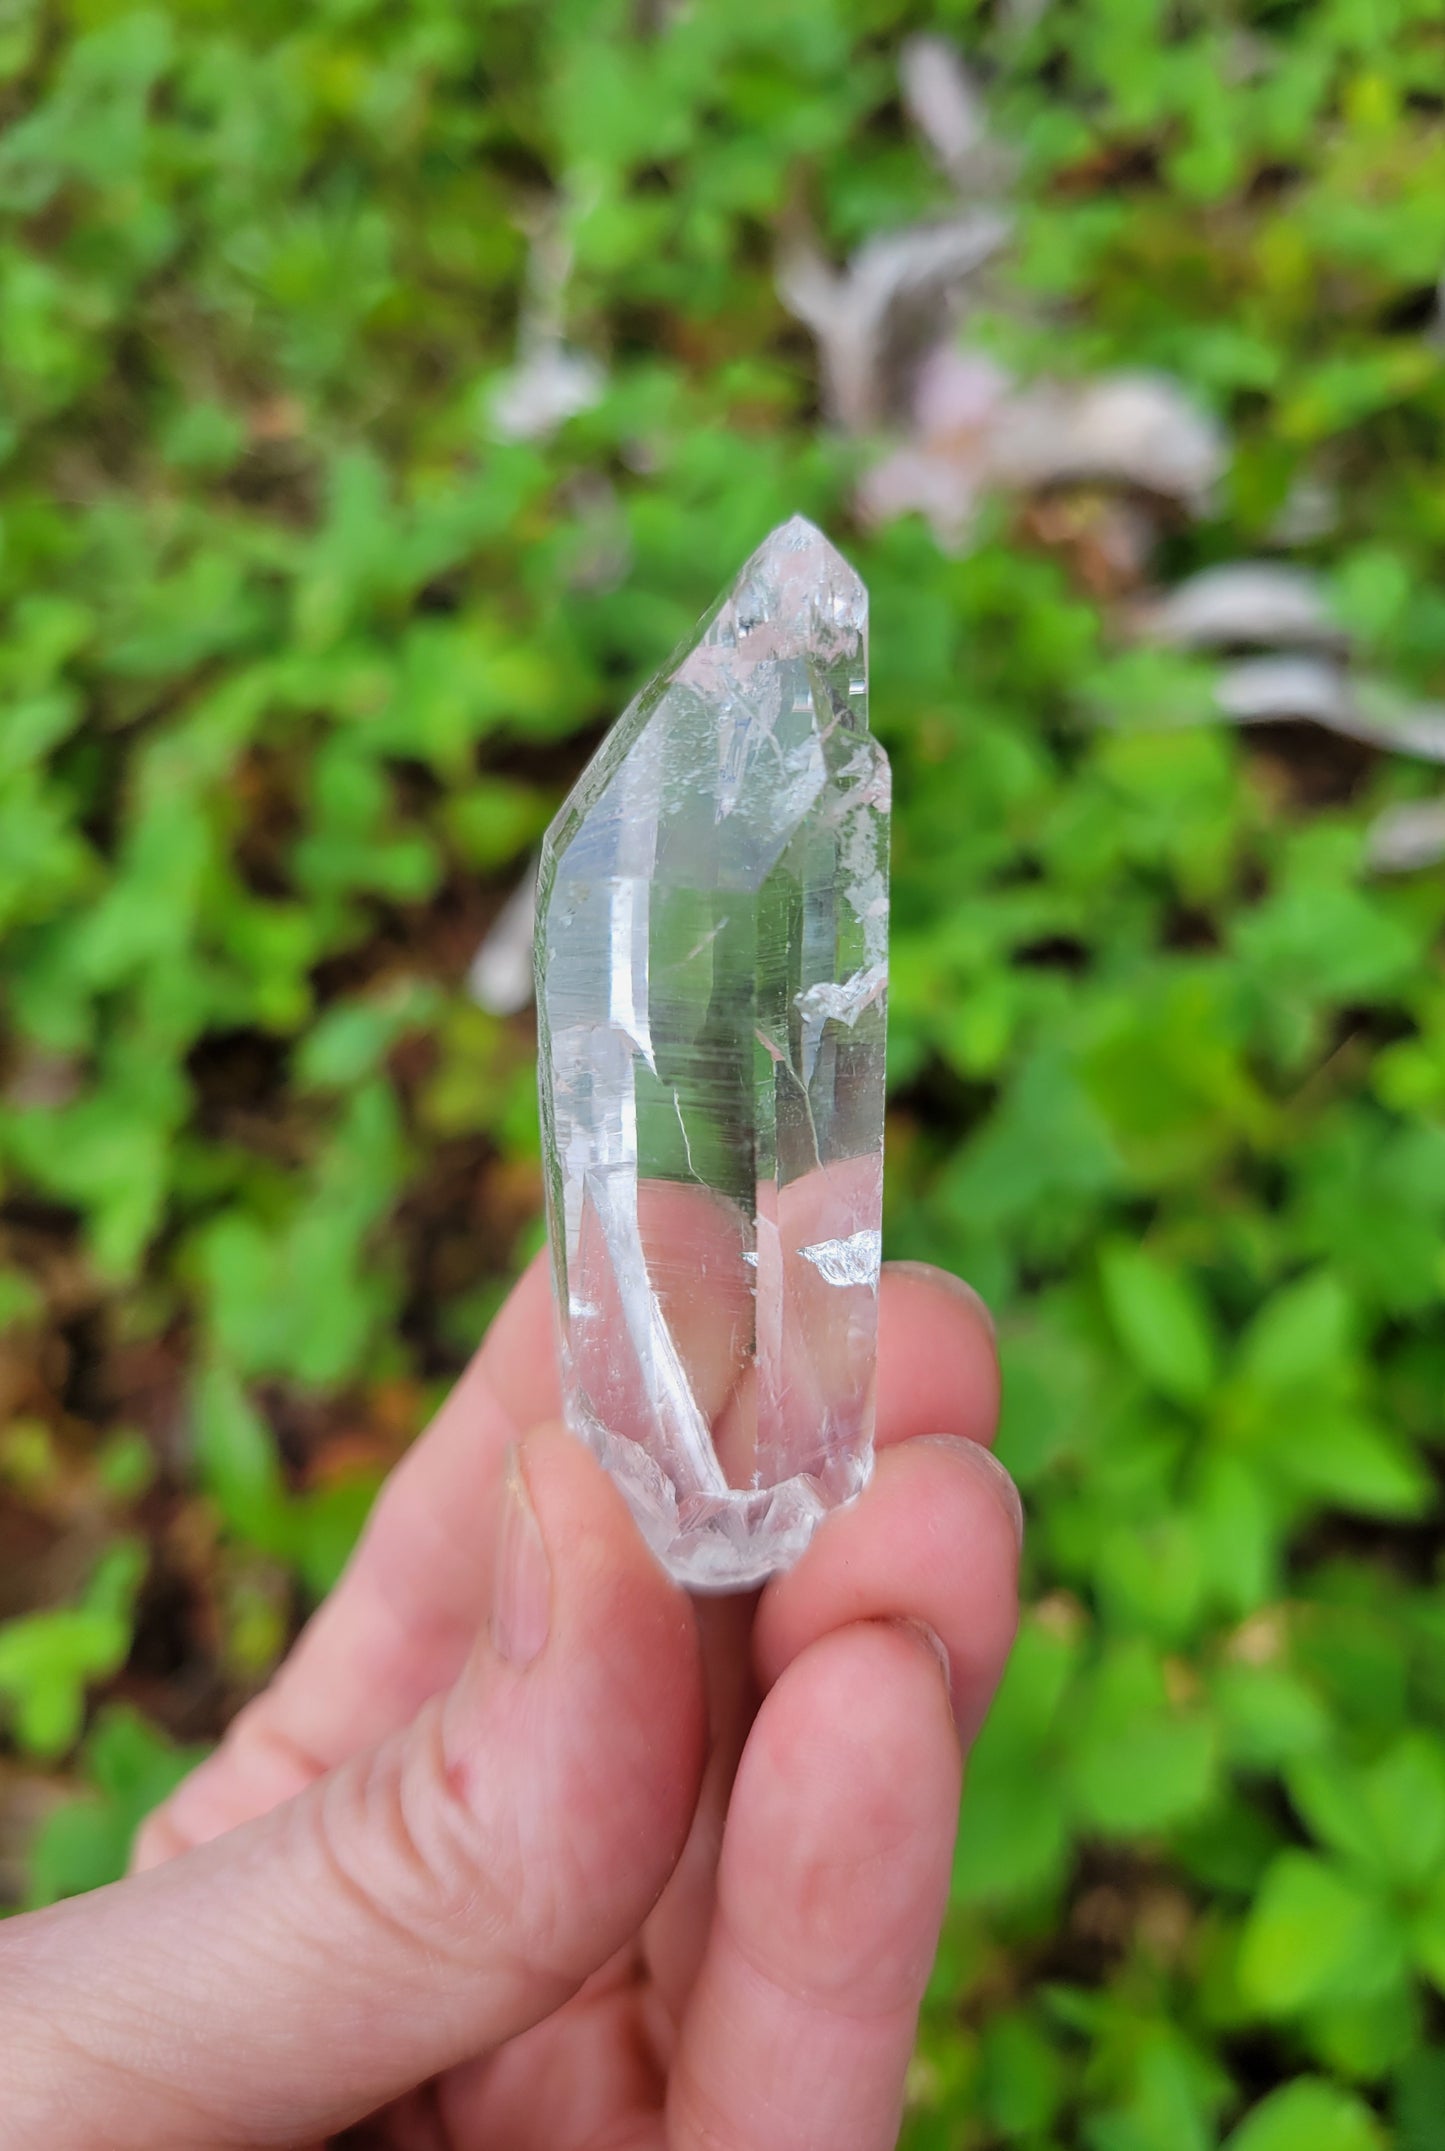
{"points": [[522, 1849]]}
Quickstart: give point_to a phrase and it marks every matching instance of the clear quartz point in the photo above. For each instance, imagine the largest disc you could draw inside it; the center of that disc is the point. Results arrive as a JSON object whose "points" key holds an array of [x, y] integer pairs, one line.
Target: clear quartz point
{"points": [[712, 945]]}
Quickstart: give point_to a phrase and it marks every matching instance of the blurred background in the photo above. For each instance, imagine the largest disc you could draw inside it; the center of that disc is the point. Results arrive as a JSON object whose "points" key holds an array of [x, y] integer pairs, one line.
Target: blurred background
{"points": [[385, 386]]}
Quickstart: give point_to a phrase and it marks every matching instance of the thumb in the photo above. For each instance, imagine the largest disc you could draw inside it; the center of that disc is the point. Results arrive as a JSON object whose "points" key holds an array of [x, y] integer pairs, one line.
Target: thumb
{"points": [[420, 1904]]}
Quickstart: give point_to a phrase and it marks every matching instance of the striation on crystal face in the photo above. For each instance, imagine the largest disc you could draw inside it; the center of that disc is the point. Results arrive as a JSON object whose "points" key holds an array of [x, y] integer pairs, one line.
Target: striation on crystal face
{"points": [[712, 945]]}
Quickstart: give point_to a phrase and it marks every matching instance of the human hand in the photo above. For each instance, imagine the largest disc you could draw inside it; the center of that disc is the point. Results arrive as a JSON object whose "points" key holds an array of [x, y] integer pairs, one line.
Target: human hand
{"points": [[523, 1849]]}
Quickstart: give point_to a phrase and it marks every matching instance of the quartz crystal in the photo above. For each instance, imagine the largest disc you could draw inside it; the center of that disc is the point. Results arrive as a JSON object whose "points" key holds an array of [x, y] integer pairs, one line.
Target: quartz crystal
{"points": [[712, 940]]}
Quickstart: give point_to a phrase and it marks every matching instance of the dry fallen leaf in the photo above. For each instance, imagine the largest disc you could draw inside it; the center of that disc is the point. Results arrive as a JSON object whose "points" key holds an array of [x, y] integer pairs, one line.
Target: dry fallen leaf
{"points": [[946, 106], [942, 471], [550, 381], [1134, 429], [877, 319], [1407, 837], [1268, 690], [1262, 603], [547, 386], [500, 978]]}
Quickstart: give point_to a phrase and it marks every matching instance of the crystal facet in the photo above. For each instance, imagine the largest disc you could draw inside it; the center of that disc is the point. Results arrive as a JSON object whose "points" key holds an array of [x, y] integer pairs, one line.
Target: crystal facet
{"points": [[712, 943]]}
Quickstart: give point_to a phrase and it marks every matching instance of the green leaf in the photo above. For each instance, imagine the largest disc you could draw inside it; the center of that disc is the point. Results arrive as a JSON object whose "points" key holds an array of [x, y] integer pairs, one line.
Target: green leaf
{"points": [[350, 1040], [238, 1464], [1308, 2115], [1022, 2081], [1152, 1578], [1332, 1799], [495, 822], [1419, 2102], [1160, 1771], [1014, 1841], [303, 1297], [1362, 2041], [1140, 1762], [130, 1769], [1162, 1320], [313, 1532], [1406, 1795], [1238, 1532], [327, 1523], [1268, 1715], [1325, 945], [1167, 2102], [49, 1660], [1043, 1154], [1341, 1458], [1016, 1837], [1314, 1935], [1427, 1936], [1300, 1338]]}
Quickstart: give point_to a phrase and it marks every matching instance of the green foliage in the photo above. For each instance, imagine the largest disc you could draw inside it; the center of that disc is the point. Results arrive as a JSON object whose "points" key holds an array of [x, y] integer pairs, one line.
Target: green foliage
{"points": [[236, 1462], [128, 1770], [297, 655], [1308, 2115], [49, 1659]]}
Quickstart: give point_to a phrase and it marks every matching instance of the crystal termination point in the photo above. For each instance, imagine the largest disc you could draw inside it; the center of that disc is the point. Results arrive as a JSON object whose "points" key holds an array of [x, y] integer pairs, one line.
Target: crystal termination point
{"points": [[712, 968]]}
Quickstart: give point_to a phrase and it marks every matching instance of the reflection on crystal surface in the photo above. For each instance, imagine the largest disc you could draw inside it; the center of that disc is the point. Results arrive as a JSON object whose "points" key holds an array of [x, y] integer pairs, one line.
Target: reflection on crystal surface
{"points": [[711, 988]]}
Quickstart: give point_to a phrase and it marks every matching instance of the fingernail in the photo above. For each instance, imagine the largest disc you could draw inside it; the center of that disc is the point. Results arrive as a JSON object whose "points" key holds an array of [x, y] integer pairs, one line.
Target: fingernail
{"points": [[944, 1281], [936, 1644], [987, 1467], [522, 1585]]}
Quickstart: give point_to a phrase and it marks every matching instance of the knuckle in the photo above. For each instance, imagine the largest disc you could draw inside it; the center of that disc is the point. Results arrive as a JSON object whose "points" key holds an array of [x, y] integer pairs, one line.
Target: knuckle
{"points": [[404, 1842], [156, 1841]]}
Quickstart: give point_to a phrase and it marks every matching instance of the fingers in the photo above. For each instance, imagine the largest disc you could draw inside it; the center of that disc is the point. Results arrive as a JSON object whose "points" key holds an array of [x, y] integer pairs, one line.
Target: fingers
{"points": [[429, 1899], [937, 1369], [831, 1886], [398, 1627], [933, 1540], [937, 1362], [796, 2047]]}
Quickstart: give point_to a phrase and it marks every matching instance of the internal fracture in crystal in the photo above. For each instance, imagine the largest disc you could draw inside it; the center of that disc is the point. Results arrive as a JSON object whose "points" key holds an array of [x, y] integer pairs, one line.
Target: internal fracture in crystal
{"points": [[712, 944]]}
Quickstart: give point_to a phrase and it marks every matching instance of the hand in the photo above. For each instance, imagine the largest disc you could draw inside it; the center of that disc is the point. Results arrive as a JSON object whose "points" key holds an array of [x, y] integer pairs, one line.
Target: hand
{"points": [[522, 1849]]}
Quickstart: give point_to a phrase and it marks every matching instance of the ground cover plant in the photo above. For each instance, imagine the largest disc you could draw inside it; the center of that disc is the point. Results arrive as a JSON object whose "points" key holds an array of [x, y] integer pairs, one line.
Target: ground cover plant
{"points": [[383, 387]]}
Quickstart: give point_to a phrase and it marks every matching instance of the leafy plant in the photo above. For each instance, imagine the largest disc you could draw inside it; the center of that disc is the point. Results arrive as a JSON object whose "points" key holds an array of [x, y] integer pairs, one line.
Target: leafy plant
{"points": [[128, 1770], [304, 637], [49, 1659]]}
